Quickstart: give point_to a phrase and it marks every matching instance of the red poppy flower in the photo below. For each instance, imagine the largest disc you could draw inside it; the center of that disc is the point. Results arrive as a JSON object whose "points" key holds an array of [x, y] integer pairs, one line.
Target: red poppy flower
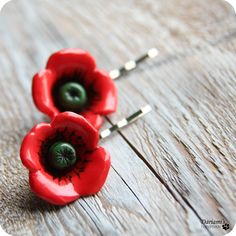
{"points": [[64, 160], [71, 82]]}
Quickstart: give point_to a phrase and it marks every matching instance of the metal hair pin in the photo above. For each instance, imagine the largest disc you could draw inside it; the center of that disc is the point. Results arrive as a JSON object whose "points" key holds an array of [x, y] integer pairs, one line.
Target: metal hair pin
{"points": [[126, 121], [132, 64]]}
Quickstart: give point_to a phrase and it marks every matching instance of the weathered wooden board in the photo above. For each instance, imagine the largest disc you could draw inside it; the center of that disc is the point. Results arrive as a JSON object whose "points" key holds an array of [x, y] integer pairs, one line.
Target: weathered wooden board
{"points": [[169, 170]]}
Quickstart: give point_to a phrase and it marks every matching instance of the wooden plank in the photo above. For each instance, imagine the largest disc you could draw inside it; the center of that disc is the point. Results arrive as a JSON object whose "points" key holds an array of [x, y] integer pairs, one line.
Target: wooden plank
{"points": [[190, 138], [179, 166]]}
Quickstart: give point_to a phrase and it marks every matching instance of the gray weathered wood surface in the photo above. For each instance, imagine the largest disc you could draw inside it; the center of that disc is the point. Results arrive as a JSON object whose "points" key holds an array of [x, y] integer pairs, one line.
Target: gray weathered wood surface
{"points": [[169, 170]]}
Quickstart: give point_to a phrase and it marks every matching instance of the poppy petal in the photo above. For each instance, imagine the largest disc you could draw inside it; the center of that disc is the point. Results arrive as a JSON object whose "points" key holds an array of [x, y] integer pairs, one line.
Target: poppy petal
{"points": [[31, 144], [69, 60], [42, 92], [91, 180], [106, 100], [53, 191], [77, 123], [94, 119]]}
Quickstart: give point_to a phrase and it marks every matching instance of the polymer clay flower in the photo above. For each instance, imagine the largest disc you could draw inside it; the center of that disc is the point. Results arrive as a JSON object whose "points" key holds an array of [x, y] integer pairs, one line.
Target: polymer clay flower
{"points": [[63, 159], [71, 82]]}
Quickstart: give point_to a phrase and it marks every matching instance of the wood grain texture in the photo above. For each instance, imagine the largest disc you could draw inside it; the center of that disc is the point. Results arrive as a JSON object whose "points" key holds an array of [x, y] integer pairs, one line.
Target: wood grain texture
{"points": [[169, 170]]}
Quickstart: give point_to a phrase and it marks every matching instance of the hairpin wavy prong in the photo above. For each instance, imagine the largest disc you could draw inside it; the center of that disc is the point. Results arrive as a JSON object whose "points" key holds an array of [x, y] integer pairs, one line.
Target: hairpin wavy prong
{"points": [[132, 64], [126, 121]]}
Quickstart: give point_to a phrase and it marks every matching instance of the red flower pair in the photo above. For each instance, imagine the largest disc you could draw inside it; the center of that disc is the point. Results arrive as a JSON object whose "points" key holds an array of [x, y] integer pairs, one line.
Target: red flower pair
{"points": [[63, 158]]}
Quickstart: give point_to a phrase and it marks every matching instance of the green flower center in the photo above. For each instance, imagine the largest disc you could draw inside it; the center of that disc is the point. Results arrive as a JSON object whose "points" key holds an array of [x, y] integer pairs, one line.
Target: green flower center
{"points": [[61, 156], [72, 96]]}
